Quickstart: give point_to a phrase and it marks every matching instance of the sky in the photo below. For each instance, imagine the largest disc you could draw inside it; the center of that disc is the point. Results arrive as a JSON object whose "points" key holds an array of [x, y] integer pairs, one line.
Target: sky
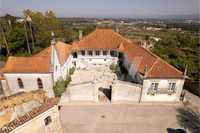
{"points": [[104, 8]]}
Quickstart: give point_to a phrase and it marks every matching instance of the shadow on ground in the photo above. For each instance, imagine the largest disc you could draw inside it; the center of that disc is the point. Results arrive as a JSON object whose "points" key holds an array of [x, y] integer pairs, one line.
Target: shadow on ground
{"points": [[189, 119]]}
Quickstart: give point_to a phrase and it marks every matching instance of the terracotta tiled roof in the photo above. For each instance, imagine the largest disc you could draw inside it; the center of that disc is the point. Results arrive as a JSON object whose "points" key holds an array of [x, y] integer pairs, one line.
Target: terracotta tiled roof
{"points": [[142, 59], [161, 69], [38, 63], [29, 115], [64, 50], [100, 39], [44, 53], [138, 56], [27, 65]]}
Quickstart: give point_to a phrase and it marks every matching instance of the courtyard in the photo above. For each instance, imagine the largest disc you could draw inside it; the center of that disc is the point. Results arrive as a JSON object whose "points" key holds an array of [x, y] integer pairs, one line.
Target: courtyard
{"points": [[119, 118]]}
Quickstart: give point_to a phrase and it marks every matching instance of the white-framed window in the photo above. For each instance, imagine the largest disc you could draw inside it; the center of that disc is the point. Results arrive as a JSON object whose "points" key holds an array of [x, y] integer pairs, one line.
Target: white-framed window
{"points": [[40, 84], [90, 53], [172, 87], [105, 52], [47, 120], [20, 83], [97, 53], [153, 88], [82, 52]]}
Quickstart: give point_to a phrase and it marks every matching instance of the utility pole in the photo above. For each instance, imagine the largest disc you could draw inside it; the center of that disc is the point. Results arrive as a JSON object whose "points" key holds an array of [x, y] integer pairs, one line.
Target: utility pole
{"points": [[26, 35], [5, 41]]}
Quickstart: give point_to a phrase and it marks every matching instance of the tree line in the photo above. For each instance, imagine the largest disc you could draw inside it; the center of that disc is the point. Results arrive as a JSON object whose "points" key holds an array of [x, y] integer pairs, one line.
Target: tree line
{"points": [[32, 33]]}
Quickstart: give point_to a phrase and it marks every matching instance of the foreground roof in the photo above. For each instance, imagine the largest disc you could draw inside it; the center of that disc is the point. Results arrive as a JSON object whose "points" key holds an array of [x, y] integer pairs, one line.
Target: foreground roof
{"points": [[19, 99]]}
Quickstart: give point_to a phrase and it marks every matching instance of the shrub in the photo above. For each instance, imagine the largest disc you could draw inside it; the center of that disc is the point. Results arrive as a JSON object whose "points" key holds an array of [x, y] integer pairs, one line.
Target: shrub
{"points": [[113, 67], [59, 88], [71, 70], [67, 80]]}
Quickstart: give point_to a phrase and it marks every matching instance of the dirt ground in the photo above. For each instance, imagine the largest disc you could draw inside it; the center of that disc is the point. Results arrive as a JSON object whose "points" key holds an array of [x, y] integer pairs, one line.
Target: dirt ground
{"points": [[119, 118]]}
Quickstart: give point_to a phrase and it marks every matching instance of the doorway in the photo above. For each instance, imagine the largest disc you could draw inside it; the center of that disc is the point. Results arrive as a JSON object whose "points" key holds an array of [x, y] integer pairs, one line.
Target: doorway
{"points": [[105, 94]]}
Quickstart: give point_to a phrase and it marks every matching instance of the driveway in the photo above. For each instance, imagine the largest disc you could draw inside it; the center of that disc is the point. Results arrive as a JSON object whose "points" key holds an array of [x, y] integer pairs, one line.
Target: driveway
{"points": [[119, 118]]}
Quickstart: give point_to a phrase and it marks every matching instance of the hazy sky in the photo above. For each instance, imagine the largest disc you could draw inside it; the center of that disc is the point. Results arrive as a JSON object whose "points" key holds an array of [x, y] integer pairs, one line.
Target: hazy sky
{"points": [[103, 8]]}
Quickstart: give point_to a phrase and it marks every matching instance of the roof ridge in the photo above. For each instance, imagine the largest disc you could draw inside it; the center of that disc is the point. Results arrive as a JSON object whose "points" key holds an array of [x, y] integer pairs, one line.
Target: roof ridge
{"points": [[157, 57], [152, 67]]}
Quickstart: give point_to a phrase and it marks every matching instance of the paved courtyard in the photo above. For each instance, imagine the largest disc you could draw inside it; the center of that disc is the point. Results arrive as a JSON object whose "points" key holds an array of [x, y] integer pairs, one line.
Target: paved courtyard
{"points": [[118, 118]]}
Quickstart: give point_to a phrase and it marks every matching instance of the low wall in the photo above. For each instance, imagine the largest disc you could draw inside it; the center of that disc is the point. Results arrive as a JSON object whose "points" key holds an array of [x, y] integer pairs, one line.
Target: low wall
{"points": [[84, 92], [125, 91]]}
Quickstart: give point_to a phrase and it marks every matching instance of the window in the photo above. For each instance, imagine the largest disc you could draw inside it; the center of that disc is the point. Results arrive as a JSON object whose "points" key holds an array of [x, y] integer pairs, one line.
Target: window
{"points": [[105, 52], [39, 82], [172, 87], [82, 52], [20, 83], [90, 53], [47, 120], [153, 89], [112, 53], [74, 55], [154, 86], [97, 53]]}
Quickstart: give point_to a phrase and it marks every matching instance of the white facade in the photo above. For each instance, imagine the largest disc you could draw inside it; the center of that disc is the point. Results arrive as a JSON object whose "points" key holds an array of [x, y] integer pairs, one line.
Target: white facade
{"points": [[164, 85], [66, 67], [55, 64], [95, 58], [29, 81]]}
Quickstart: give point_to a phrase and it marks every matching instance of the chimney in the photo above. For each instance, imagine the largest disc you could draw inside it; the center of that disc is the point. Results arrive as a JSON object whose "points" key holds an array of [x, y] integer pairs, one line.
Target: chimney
{"points": [[53, 40], [80, 34]]}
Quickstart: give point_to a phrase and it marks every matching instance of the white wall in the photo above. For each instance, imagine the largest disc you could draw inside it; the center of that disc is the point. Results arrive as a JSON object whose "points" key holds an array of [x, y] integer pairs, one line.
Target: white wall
{"points": [[30, 82], [37, 125], [6, 90], [97, 59], [84, 92], [125, 91], [66, 66], [163, 83], [56, 64]]}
